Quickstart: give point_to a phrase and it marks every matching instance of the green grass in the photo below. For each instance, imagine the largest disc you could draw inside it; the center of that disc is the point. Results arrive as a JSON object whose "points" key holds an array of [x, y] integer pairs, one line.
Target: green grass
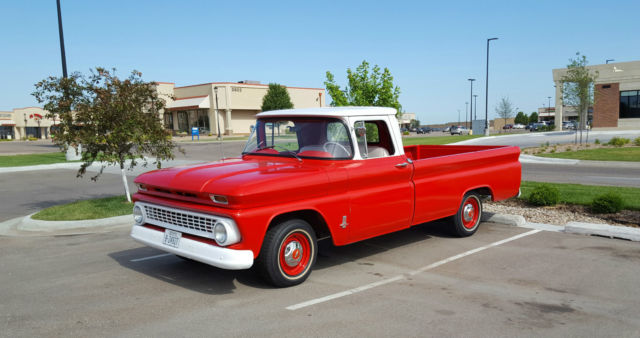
{"points": [[31, 159], [87, 209], [584, 194], [600, 154], [435, 140]]}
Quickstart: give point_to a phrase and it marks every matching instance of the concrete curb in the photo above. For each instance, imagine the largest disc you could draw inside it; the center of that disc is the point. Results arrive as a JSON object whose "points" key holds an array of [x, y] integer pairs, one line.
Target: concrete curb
{"points": [[605, 230], [515, 220], [27, 226]]}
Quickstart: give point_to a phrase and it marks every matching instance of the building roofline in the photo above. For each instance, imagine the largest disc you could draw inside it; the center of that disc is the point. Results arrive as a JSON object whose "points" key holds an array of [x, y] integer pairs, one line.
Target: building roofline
{"points": [[242, 84]]}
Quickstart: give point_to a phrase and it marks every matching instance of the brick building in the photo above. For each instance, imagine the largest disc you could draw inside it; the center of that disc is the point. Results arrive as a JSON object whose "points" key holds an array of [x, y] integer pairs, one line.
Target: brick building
{"points": [[616, 97]]}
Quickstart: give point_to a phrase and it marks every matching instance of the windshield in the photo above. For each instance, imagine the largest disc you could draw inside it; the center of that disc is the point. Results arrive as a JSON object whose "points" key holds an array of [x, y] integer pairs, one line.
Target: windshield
{"points": [[300, 137]]}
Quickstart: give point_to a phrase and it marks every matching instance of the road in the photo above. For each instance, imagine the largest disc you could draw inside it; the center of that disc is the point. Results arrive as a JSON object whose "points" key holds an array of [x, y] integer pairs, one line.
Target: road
{"points": [[528, 140], [27, 192], [403, 284], [599, 173]]}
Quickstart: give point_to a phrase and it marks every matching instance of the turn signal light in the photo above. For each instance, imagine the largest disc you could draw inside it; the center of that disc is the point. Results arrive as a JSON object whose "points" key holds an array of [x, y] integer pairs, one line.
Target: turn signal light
{"points": [[219, 199]]}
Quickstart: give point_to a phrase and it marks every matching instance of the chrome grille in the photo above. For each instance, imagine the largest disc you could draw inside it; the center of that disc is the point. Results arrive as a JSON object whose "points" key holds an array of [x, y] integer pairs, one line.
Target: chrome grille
{"points": [[180, 220]]}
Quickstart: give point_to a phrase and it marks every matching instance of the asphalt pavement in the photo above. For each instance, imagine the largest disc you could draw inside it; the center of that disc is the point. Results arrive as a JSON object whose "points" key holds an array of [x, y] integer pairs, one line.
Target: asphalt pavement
{"points": [[503, 281]]}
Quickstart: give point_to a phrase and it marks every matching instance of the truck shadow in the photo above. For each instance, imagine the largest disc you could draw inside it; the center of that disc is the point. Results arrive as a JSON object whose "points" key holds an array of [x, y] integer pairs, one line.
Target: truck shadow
{"points": [[210, 280]]}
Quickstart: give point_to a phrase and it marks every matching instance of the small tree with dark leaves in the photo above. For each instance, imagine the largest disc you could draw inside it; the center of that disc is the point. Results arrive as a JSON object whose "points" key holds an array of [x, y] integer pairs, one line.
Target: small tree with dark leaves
{"points": [[277, 97], [115, 120]]}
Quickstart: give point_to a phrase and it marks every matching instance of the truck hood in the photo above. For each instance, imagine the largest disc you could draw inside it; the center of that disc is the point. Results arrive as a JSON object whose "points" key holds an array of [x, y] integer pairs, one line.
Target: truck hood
{"points": [[250, 182]]}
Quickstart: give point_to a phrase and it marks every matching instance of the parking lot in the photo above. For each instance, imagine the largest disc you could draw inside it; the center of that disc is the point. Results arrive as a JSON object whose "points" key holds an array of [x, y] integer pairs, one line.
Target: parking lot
{"points": [[503, 281]]}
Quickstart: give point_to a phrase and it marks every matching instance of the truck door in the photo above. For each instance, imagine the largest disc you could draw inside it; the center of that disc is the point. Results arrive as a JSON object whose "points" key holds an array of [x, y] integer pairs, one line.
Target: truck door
{"points": [[380, 186]]}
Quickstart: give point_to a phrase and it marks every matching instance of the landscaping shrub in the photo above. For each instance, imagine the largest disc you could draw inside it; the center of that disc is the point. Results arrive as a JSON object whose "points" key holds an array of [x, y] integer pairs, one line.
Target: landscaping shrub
{"points": [[544, 194], [607, 203], [597, 141], [618, 141], [637, 141]]}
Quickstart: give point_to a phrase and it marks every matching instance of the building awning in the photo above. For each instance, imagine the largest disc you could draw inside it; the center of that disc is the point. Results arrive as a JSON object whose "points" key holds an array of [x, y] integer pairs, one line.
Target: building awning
{"points": [[194, 102], [8, 123]]}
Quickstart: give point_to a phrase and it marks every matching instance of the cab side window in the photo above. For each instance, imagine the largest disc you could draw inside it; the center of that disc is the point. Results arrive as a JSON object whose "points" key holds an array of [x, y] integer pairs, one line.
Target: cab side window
{"points": [[374, 139]]}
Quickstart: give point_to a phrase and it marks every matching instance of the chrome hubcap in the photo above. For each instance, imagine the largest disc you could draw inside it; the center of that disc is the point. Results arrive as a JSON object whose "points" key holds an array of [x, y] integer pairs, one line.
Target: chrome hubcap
{"points": [[468, 212], [293, 253]]}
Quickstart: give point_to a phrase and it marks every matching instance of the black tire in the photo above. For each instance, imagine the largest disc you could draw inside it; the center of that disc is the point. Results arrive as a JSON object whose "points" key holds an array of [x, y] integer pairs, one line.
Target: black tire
{"points": [[288, 253], [466, 222]]}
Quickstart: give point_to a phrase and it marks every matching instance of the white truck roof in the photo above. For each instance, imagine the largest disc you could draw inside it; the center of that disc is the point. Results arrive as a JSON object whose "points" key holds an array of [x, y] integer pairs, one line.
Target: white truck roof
{"points": [[332, 111]]}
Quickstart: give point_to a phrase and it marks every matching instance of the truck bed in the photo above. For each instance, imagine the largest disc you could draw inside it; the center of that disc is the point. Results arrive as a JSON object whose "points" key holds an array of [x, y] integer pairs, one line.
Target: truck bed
{"points": [[419, 152], [443, 173]]}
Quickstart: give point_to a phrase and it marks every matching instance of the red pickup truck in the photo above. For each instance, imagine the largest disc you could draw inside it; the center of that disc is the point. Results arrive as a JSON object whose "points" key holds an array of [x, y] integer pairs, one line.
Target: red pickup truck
{"points": [[310, 174]]}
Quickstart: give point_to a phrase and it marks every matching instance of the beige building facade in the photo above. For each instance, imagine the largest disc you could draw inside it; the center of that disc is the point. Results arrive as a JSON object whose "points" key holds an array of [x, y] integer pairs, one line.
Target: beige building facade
{"points": [[21, 123], [616, 96], [229, 107]]}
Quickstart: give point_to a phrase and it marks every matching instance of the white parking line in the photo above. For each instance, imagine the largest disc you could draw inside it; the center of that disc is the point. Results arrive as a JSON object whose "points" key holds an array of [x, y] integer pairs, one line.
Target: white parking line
{"points": [[151, 257], [404, 276]]}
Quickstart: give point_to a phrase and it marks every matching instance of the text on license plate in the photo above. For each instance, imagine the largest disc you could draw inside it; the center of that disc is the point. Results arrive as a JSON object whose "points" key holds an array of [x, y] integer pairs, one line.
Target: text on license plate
{"points": [[171, 238]]}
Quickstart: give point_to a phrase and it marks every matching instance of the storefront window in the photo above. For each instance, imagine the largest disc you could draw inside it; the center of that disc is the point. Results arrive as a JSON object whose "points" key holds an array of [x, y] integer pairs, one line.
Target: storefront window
{"points": [[168, 121], [183, 122], [630, 104]]}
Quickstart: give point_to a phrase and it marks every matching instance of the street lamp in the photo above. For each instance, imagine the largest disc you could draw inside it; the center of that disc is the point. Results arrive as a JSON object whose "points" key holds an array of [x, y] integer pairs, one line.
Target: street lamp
{"points": [[215, 90], [549, 106], [475, 103], [466, 111], [607, 62], [471, 100], [486, 93]]}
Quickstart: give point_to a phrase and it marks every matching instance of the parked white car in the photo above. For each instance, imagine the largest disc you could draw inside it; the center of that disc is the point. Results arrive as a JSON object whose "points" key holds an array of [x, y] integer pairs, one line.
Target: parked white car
{"points": [[518, 126]]}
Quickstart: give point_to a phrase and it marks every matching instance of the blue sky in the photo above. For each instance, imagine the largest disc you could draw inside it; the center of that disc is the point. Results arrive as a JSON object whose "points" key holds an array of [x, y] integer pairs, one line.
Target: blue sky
{"points": [[430, 48]]}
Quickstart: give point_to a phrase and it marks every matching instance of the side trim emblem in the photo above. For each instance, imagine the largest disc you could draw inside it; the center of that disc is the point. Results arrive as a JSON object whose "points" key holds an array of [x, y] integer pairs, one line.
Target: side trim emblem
{"points": [[344, 222]]}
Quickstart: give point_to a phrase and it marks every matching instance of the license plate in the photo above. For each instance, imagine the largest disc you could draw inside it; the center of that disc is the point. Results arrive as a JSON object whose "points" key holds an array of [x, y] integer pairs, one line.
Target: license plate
{"points": [[171, 238]]}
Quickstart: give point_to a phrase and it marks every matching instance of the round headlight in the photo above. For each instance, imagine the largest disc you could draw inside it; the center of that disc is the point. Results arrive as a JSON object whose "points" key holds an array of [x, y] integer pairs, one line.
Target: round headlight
{"points": [[138, 217], [220, 233]]}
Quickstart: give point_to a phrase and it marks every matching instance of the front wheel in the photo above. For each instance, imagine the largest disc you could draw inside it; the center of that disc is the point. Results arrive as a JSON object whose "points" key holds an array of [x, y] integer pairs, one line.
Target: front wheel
{"points": [[467, 219], [288, 253]]}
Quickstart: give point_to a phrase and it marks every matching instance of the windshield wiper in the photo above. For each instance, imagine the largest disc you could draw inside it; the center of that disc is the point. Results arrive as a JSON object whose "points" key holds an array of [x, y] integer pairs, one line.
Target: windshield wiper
{"points": [[290, 152]]}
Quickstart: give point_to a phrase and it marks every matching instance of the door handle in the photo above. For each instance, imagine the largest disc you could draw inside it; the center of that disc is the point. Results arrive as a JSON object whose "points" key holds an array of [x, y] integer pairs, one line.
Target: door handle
{"points": [[402, 165]]}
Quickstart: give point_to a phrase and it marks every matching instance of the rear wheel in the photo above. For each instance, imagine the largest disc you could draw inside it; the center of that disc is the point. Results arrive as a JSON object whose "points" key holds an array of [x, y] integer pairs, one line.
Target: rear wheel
{"points": [[288, 253], [468, 218]]}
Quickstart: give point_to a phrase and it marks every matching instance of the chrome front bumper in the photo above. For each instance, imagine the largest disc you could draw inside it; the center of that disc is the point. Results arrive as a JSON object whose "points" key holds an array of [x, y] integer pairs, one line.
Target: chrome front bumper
{"points": [[209, 254]]}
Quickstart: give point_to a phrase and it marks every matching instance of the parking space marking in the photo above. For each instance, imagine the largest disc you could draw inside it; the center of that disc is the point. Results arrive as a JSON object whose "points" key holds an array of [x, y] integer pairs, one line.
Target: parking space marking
{"points": [[404, 276], [151, 257]]}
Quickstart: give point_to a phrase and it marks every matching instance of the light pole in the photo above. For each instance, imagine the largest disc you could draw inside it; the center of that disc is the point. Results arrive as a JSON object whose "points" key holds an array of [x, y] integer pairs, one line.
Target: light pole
{"points": [[215, 90], [486, 93], [471, 100], [64, 59], [475, 103], [607, 62], [466, 111]]}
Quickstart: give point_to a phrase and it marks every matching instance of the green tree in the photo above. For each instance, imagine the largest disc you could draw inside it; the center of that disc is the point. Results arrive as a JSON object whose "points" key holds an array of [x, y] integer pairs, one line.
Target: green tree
{"points": [[365, 87], [505, 109], [115, 120], [533, 118], [415, 123], [277, 97], [577, 88], [521, 118]]}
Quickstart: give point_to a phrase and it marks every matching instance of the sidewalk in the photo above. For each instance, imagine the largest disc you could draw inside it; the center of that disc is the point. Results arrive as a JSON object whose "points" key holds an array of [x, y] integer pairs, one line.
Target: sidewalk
{"points": [[565, 161]]}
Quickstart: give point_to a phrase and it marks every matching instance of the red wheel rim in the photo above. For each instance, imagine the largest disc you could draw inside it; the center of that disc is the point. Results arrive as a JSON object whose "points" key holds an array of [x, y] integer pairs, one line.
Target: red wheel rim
{"points": [[294, 255], [470, 212]]}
